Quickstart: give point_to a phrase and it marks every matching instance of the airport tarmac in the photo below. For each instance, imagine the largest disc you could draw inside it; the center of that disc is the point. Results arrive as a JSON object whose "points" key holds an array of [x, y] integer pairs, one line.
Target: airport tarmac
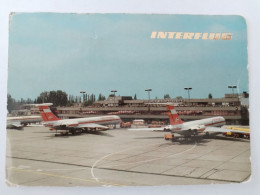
{"points": [[118, 157]]}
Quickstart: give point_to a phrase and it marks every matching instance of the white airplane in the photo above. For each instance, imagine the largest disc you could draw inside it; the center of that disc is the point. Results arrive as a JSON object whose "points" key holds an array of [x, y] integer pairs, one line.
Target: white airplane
{"points": [[75, 125], [187, 129], [20, 121]]}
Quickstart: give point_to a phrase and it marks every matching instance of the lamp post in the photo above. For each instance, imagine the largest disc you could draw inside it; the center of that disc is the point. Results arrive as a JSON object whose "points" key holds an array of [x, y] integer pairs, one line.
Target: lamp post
{"points": [[148, 91], [188, 89], [232, 87], [83, 92], [114, 91]]}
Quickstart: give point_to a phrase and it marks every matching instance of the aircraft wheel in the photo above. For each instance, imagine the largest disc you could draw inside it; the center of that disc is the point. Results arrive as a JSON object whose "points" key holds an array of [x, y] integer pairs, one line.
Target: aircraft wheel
{"points": [[236, 135], [195, 132], [173, 138]]}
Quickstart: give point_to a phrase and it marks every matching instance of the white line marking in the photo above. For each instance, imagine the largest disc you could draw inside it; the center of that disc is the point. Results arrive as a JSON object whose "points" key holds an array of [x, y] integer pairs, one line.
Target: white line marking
{"points": [[144, 161], [95, 163], [92, 168]]}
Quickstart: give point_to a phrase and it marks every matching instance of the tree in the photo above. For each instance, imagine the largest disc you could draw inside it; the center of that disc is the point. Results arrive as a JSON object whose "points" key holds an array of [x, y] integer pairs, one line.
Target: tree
{"points": [[29, 101], [71, 99], [10, 103], [101, 97], [61, 98], [210, 96], [166, 96], [91, 99], [42, 98], [135, 98], [58, 98], [179, 97], [111, 95], [77, 99]]}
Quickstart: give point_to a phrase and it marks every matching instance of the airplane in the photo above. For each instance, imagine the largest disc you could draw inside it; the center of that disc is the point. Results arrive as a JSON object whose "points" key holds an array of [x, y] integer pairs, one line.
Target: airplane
{"points": [[75, 125], [20, 121], [193, 128]]}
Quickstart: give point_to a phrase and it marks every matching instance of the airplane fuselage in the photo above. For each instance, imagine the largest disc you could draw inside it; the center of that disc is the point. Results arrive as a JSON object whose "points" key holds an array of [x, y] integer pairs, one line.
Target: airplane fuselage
{"points": [[67, 123], [196, 126]]}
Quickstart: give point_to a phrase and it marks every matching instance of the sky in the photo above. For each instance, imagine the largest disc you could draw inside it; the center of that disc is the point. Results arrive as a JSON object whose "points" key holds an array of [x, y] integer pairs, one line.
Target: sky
{"points": [[98, 53]]}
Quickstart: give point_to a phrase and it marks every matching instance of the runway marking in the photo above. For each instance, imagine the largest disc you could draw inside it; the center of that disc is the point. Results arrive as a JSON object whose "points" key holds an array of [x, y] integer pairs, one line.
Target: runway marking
{"points": [[92, 168], [10, 183], [99, 160], [62, 176], [102, 158], [155, 158], [151, 173]]}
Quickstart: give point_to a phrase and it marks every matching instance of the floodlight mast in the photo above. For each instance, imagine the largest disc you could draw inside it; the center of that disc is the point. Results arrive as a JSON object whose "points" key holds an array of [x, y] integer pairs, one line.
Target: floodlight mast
{"points": [[188, 89], [232, 87], [148, 91], [83, 92], [114, 91]]}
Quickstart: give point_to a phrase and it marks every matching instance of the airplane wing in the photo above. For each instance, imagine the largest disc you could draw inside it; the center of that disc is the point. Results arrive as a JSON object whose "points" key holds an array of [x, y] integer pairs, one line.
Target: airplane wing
{"points": [[15, 125], [92, 125], [226, 130], [146, 129]]}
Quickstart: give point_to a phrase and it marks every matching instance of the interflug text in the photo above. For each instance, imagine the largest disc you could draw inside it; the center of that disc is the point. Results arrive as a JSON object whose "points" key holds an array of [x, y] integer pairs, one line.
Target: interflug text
{"points": [[190, 35]]}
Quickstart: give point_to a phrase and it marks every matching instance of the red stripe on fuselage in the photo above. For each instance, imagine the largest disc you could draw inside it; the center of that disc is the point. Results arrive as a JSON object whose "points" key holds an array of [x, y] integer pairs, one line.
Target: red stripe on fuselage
{"points": [[71, 125], [48, 125], [214, 123], [99, 121], [80, 123]]}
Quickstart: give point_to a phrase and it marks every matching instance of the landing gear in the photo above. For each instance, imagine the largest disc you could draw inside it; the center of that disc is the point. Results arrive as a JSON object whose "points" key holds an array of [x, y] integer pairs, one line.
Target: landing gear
{"points": [[62, 133], [165, 129], [207, 135], [195, 132]]}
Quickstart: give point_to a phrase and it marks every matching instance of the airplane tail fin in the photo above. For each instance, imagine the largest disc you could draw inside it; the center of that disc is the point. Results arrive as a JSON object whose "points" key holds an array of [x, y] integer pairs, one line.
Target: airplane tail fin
{"points": [[173, 116], [46, 113]]}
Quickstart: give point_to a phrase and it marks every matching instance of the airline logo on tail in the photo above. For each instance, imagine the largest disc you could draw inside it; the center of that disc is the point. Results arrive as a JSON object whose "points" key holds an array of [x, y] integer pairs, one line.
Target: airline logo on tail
{"points": [[46, 113], [173, 116]]}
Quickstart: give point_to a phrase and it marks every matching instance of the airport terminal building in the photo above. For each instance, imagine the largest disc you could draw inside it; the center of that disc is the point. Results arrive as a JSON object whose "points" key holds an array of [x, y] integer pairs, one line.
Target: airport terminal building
{"points": [[233, 107]]}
